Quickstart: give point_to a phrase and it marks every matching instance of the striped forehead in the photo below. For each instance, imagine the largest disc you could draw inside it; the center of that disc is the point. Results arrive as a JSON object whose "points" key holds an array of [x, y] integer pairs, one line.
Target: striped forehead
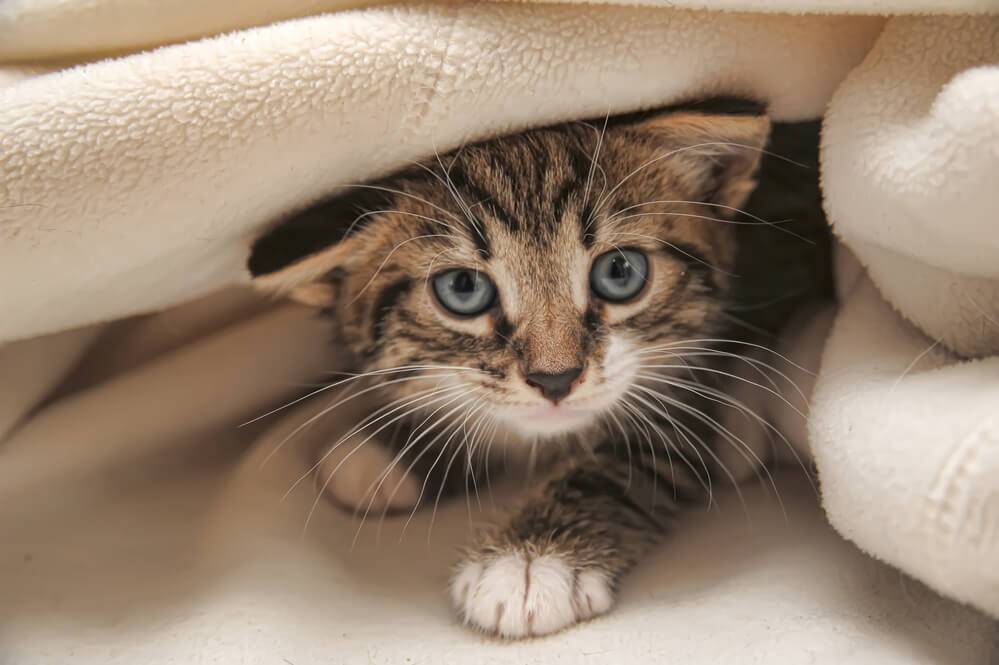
{"points": [[524, 213]]}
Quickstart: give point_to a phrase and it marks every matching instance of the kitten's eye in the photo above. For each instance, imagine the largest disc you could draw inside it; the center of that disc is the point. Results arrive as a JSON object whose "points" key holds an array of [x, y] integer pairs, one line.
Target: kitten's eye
{"points": [[464, 292], [619, 275]]}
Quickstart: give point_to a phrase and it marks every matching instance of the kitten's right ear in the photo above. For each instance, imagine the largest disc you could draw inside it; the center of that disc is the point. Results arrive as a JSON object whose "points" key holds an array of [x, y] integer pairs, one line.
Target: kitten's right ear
{"points": [[297, 257]]}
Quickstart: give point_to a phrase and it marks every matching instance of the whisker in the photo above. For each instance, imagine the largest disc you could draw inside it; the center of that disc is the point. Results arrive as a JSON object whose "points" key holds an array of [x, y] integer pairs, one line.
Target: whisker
{"points": [[411, 443], [356, 377], [722, 340], [736, 377], [395, 211], [357, 447], [724, 399], [432, 444], [707, 449], [475, 437], [677, 248], [671, 153], [327, 410], [458, 449], [388, 256], [401, 192], [667, 445], [627, 413], [755, 363], [593, 164], [911, 365], [705, 481], [744, 449], [778, 225], [449, 185], [415, 436], [383, 413]]}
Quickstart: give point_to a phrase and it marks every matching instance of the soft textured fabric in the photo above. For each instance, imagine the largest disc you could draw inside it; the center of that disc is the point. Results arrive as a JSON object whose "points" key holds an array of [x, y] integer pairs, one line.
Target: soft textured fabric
{"points": [[82, 28], [134, 533], [904, 419], [141, 181], [121, 546]]}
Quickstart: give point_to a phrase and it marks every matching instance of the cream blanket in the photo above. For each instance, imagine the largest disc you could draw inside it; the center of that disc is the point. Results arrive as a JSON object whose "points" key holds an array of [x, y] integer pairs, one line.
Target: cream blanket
{"points": [[130, 185]]}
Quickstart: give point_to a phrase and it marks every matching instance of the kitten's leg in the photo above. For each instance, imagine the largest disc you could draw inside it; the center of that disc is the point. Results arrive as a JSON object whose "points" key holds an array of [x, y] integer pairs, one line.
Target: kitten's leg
{"points": [[370, 477], [558, 561]]}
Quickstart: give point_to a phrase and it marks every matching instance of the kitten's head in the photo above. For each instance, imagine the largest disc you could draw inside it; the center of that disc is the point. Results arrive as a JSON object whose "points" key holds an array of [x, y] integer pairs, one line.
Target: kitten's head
{"points": [[531, 276]]}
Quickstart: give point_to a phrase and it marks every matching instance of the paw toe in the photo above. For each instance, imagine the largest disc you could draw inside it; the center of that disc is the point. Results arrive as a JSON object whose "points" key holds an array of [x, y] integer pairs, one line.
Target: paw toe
{"points": [[514, 595]]}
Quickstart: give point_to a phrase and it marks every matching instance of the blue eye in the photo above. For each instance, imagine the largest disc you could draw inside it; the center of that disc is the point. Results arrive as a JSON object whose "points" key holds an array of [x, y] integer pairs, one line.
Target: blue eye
{"points": [[464, 292], [619, 275]]}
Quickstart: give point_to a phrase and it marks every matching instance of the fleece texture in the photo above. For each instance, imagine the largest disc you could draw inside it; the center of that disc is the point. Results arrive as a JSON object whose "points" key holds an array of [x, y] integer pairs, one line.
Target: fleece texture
{"points": [[905, 415], [80, 29], [138, 183], [136, 510]]}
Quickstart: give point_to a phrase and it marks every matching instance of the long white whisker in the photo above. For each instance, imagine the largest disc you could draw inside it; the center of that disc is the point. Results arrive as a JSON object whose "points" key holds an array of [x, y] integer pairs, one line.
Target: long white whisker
{"points": [[705, 481], [741, 447], [773, 389], [617, 215], [388, 256], [406, 194], [352, 396], [723, 399], [722, 340], [415, 436], [356, 377], [717, 460], [357, 447], [671, 153], [593, 165], [384, 413], [458, 449], [432, 444], [676, 248], [395, 211]]}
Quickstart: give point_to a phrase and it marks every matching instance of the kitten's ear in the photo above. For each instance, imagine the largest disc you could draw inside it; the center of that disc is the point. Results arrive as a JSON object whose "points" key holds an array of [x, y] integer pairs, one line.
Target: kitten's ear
{"points": [[299, 256], [730, 133]]}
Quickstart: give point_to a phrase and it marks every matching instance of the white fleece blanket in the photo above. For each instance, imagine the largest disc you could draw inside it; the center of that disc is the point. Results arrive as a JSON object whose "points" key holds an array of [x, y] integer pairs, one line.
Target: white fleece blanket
{"points": [[129, 185]]}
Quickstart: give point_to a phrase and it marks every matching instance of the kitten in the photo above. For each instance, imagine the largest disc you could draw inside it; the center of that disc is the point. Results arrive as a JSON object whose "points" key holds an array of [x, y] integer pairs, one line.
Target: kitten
{"points": [[567, 283]]}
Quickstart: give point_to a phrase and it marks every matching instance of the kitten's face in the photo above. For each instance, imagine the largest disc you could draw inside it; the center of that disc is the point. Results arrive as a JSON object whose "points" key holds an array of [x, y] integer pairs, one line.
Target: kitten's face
{"points": [[529, 278]]}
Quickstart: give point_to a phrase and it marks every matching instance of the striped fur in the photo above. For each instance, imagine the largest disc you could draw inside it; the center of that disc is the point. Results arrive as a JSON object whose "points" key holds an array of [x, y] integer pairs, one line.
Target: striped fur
{"points": [[533, 211]]}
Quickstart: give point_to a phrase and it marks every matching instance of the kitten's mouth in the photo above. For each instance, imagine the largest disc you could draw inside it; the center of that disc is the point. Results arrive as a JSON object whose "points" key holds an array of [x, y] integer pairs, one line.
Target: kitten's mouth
{"points": [[555, 412], [552, 419], [542, 419]]}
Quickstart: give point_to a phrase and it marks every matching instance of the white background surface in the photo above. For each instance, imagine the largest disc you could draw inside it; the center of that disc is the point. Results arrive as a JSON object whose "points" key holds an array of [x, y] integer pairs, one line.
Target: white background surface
{"points": [[129, 565]]}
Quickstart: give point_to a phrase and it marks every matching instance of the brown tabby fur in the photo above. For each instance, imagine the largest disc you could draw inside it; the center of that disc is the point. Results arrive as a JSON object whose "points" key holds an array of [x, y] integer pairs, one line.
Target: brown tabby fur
{"points": [[533, 210]]}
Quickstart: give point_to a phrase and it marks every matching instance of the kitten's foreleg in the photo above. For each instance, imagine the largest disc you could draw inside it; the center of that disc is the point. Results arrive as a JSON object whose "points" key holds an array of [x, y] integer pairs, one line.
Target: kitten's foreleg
{"points": [[558, 561], [361, 474]]}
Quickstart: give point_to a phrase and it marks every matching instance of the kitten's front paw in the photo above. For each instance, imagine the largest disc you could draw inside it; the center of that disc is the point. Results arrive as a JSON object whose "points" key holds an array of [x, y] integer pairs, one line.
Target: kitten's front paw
{"points": [[367, 479], [519, 595]]}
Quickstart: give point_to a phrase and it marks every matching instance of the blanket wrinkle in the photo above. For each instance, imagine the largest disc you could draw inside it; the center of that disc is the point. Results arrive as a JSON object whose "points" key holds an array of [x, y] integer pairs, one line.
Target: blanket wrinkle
{"points": [[46, 29], [885, 392], [422, 110], [183, 154], [153, 172], [906, 145]]}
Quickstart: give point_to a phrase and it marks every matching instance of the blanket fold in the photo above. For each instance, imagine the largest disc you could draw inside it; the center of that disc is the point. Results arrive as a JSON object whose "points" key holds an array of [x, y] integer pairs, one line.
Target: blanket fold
{"points": [[134, 184], [139, 182], [903, 426]]}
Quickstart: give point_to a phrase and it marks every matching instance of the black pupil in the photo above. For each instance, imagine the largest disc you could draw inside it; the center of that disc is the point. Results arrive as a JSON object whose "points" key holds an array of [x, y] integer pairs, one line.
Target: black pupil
{"points": [[620, 269], [464, 283]]}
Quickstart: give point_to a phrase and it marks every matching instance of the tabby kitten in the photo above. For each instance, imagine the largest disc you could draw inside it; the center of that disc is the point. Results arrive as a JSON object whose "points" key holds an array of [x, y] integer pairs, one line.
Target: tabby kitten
{"points": [[564, 284]]}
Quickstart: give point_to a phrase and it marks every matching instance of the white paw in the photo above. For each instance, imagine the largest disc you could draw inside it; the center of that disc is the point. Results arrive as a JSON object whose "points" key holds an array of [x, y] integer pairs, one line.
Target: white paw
{"points": [[516, 596], [360, 480]]}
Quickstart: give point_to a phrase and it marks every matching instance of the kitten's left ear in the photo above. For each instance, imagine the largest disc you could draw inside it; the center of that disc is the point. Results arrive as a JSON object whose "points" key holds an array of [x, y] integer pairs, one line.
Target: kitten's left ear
{"points": [[301, 256], [731, 134]]}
